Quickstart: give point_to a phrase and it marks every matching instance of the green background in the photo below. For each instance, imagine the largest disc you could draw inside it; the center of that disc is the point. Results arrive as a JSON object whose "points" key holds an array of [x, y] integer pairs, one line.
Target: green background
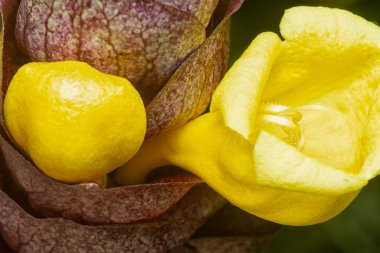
{"points": [[357, 229]]}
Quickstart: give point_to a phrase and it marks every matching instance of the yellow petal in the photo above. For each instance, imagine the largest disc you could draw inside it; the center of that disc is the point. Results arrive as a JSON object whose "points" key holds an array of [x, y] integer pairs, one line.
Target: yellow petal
{"points": [[278, 164], [325, 50], [292, 207], [238, 95], [371, 141], [331, 137], [331, 59]]}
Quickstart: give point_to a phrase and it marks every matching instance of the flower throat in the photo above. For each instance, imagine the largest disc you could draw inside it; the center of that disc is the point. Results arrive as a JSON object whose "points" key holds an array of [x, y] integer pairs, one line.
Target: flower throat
{"points": [[281, 121]]}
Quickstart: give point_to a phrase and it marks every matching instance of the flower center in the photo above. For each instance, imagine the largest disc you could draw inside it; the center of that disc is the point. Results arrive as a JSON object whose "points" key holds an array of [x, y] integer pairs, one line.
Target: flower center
{"points": [[281, 121]]}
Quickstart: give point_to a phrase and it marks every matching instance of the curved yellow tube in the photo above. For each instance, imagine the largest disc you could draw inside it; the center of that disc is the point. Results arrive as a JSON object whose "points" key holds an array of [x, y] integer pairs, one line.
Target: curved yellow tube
{"points": [[225, 161]]}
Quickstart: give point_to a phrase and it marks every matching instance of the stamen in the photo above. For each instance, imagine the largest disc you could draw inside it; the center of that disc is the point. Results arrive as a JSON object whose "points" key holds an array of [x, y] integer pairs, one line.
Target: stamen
{"points": [[281, 121]]}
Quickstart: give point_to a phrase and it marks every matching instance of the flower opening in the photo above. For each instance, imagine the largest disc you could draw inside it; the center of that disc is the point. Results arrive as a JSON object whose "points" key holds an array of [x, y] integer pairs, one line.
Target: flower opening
{"points": [[281, 121]]}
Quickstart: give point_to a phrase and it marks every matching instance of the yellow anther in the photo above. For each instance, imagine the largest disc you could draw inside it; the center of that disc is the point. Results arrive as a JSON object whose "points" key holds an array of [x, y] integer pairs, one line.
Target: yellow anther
{"points": [[281, 121]]}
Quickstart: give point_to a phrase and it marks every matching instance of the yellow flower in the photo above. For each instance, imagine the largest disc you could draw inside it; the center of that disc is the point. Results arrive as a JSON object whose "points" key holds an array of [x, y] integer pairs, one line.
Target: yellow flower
{"points": [[293, 132]]}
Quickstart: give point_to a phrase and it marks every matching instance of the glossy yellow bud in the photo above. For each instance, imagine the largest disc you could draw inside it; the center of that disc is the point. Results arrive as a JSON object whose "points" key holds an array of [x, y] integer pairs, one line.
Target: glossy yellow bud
{"points": [[76, 123]]}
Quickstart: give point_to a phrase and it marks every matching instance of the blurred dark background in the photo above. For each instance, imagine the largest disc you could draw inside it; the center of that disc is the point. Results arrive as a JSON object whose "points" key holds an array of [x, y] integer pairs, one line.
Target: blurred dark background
{"points": [[357, 229]]}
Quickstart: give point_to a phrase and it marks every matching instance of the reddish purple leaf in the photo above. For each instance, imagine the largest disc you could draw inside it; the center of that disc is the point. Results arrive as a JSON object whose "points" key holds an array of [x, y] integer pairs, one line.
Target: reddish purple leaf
{"points": [[144, 41], [234, 6], [88, 202], [24, 233], [12, 55], [188, 92], [2, 170]]}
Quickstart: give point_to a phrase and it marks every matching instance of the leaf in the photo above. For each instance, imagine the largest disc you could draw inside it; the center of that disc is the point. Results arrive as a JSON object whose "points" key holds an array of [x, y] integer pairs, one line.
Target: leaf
{"points": [[144, 41], [2, 59], [88, 202], [25, 233], [11, 54], [2, 177], [188, 92], [1, 40]]}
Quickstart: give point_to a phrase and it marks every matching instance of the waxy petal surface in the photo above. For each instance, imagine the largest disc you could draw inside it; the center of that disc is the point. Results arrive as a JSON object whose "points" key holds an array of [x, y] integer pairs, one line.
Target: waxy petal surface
{"points": [[238, 96]]}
